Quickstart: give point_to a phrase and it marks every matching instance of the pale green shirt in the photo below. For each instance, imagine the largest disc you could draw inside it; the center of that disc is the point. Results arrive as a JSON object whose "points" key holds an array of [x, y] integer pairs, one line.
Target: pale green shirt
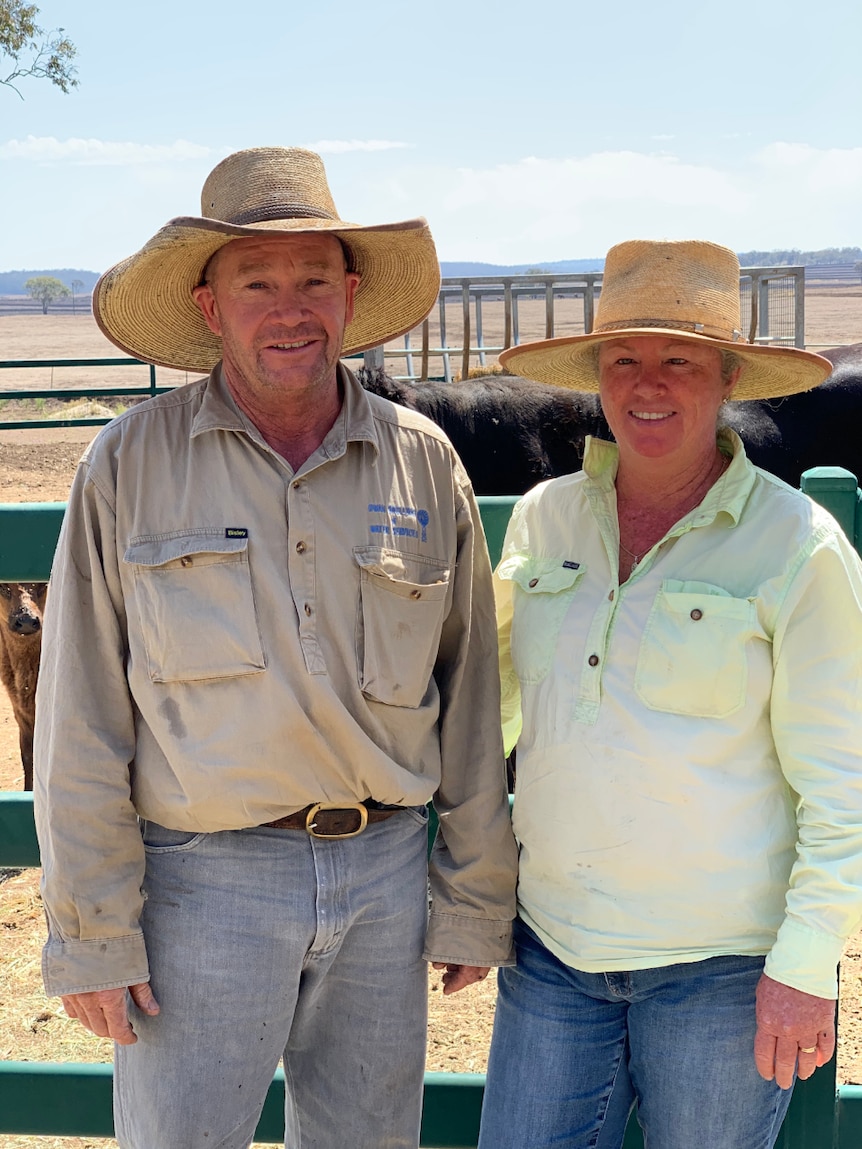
{"points": [[689, 769], [228, 640]]}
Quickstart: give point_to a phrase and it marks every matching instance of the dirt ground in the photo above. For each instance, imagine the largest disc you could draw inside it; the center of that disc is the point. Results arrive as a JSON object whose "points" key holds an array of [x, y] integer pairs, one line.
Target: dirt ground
{"points": [[37, 466]]}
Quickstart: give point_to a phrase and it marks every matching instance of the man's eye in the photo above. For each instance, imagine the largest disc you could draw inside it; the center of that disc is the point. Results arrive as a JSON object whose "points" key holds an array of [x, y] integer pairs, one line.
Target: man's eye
{"points": [[678, 360]]}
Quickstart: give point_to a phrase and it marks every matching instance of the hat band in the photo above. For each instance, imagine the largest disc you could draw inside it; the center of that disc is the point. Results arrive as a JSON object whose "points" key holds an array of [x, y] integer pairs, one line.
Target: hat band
{"points": [[674, 325], [279, 211]]}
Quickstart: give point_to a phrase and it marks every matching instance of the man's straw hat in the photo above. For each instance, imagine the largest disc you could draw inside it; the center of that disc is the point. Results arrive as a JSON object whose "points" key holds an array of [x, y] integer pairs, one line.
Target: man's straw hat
{"points": [[685, 290], [145, 304]]}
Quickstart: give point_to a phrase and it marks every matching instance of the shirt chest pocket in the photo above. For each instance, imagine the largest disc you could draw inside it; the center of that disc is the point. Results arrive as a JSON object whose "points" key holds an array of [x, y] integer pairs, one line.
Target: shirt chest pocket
{"points": [[693, 656], [404, 600], [196, 607], [544, 590]]}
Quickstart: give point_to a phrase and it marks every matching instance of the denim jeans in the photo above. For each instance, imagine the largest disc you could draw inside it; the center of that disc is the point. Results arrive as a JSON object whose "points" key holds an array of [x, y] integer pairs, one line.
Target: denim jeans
{"points": [[266, 943], [572, 1051]]}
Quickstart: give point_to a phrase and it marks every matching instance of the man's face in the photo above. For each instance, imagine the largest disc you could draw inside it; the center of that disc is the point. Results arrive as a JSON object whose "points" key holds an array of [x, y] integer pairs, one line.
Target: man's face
{"points": [[280, 305]]}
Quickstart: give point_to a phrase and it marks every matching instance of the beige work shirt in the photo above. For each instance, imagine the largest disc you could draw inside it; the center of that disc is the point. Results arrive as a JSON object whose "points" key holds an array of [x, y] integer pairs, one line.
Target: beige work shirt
{"points": [[228, 640]]}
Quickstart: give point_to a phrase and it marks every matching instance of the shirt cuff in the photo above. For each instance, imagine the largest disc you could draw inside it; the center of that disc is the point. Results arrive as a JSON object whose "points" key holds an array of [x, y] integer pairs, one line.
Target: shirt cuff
{"points": [[99, 963], [805, 959], [459, 940]]}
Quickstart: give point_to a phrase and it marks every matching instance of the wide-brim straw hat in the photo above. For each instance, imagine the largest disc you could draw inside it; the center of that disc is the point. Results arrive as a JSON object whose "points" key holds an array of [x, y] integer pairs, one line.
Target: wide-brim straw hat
{"points": [[145, 305], [686, 289]]}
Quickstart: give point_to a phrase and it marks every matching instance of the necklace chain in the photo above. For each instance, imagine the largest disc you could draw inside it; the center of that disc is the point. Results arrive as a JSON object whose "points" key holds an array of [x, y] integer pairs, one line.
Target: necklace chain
{"points": [[635, 558], [724, 463]]}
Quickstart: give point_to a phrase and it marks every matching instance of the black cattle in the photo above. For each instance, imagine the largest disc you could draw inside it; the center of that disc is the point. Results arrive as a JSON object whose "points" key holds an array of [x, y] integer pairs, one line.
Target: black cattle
{"points": [[815, 428], [511, 433]]}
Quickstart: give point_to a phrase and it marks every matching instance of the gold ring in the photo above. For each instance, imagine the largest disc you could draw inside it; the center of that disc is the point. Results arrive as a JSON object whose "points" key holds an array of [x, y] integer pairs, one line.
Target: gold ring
{"points": [[813, 1049]]}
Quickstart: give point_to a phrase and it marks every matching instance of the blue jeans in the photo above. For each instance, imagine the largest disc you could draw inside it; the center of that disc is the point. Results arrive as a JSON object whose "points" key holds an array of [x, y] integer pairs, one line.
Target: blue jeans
{"points": [[266, 943], [571, 1052]]}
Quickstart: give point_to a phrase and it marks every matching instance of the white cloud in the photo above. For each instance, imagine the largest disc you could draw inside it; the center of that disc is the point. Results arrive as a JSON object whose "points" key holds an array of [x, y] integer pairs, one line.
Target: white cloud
{"points": [[538, 209], [529, 210], [338, 147], [44, 149]]}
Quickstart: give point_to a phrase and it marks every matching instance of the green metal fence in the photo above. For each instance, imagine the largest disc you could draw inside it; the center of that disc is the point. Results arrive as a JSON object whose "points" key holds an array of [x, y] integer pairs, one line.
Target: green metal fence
{"points": [[68, 1099]]}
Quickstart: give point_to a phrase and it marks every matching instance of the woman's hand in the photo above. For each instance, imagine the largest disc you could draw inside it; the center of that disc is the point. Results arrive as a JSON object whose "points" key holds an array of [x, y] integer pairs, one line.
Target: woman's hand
{"points": [[795, 1031]]}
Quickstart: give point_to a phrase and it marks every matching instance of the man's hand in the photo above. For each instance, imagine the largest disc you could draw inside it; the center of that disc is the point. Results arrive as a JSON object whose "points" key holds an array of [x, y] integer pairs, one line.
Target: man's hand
{"points": [[459, 976], [795, 1030], [104, 1011]]}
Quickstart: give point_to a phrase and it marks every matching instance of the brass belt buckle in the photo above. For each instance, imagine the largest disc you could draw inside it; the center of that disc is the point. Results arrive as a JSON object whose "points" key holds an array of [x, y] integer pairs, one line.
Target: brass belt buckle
{"points": [[361, 810]]}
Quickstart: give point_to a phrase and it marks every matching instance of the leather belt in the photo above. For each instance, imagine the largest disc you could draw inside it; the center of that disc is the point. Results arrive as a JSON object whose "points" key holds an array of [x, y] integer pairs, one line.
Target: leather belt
{"points": [[322, 820]]}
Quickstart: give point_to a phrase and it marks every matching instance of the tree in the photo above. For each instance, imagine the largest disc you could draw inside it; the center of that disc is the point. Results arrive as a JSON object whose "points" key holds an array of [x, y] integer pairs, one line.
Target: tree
{"points": [[46, 289], [32, 51], [77, 284]]}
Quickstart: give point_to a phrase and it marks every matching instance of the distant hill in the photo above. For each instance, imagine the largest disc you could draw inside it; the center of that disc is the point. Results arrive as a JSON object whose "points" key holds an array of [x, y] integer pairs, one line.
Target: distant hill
{"points": [[560, 267], [12, 282], [791, 257]]}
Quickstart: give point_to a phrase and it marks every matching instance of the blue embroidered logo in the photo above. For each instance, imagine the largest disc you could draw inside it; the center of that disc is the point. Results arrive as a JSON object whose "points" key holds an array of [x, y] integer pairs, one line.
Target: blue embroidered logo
{"points": [[570, 566], [399, 522]]}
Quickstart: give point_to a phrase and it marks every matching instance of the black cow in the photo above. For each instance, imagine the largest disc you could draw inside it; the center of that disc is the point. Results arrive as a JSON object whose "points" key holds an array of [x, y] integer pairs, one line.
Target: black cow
{"points": [[815, 428], [511, 433]]}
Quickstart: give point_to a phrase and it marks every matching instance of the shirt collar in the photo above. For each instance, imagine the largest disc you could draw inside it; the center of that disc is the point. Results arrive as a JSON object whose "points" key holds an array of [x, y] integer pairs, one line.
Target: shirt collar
{"points": [[728, 494], [355, 422]]}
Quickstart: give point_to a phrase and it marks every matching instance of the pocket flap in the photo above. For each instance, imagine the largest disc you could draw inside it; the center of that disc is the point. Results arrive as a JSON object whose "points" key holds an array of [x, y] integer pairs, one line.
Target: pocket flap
{"points": [[415, 570], [161, 550], [540, 576]]}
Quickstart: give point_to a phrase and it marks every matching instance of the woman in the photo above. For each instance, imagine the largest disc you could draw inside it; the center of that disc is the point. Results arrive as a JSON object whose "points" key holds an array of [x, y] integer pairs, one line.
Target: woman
{"points": [[681, 655]]}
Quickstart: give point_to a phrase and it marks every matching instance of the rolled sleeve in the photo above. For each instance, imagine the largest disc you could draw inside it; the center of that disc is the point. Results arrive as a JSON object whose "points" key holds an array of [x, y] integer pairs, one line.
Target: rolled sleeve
{"points": [[817, 726], [90, 843], [473, 867]]}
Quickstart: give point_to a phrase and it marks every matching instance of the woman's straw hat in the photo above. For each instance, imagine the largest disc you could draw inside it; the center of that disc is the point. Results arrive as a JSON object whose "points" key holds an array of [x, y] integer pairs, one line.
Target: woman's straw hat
{"points": [[683, 290], [145, 304]]}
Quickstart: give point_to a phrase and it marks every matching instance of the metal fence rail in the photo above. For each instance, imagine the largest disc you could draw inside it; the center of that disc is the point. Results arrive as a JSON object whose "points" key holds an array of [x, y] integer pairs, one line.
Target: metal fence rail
{"points": [[473, 321], [68, 1099]]}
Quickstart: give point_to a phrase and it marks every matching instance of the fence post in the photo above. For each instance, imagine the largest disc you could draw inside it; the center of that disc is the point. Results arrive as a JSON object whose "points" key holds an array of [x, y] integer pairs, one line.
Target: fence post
{"points": [[836, 489]]}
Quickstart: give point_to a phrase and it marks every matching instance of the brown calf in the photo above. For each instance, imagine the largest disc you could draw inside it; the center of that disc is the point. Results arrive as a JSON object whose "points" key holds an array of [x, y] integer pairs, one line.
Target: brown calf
{"points": [[21, 606]]}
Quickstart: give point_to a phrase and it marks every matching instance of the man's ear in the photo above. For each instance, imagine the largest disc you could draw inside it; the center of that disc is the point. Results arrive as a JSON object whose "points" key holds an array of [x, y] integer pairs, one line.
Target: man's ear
{"points": [[204, 298], [352, 279]]}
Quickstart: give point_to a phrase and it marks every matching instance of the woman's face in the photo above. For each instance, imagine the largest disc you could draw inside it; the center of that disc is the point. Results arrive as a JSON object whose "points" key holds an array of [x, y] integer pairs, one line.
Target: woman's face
{"points": [[661, 396]]}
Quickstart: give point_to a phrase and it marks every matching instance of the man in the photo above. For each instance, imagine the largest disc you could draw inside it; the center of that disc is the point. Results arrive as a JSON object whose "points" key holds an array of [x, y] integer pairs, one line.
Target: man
{"points": [[270, 643]]}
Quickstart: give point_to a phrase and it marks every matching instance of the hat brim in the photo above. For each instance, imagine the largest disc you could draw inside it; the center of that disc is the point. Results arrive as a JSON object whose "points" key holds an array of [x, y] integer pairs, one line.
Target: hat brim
{"points": [[145, 305], [767, 371]]}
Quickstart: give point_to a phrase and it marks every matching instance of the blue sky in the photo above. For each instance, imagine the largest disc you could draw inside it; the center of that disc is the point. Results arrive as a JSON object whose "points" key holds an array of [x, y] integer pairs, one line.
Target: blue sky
{"points": [[524, 132]]}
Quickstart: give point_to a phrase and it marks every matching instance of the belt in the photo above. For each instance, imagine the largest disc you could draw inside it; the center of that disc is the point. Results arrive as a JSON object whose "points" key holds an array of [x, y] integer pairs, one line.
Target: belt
{"points": [[325, 820]]}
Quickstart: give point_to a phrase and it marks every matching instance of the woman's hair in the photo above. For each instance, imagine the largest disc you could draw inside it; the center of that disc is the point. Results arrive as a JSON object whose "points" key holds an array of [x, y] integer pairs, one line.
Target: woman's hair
{"points": [[730, 362]]}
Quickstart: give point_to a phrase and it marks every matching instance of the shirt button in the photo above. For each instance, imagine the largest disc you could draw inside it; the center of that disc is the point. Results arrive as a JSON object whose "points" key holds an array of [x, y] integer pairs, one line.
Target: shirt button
{"points": [[416, 594], [300, 548], [307, 609], [611, 597], [696, 614], [593, 660], [533, 582], [297, 485], [186, 561]]}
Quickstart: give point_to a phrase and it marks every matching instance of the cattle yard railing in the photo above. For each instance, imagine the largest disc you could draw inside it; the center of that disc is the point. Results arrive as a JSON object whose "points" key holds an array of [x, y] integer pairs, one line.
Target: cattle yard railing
{"points": [[473, 321], [74, 1099]]}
